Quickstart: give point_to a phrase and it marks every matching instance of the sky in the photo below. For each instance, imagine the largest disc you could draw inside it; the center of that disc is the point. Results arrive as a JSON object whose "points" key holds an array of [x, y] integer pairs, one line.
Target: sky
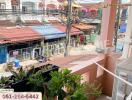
{"points": [[97, 1]]}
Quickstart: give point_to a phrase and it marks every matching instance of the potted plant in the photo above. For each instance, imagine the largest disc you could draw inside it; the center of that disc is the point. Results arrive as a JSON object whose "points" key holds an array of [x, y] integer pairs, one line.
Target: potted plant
{"points": [[68, 86], [5, 82], [19, 78]]}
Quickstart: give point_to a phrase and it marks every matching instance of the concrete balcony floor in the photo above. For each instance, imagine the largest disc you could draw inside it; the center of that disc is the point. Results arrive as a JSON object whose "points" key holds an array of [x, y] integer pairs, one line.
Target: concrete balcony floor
{"points": [[104, 97]]}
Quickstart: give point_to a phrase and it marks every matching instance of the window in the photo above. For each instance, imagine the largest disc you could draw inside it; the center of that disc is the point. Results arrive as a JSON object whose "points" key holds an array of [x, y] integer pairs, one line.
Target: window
{"points": [[2, 7], [28, 7], [14, 8]]}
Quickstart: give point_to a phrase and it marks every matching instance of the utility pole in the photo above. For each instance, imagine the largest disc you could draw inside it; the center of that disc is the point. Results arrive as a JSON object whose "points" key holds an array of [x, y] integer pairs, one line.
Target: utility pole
{"points": [[117, 23], [45, 7], [18, 20], [68, 29]]}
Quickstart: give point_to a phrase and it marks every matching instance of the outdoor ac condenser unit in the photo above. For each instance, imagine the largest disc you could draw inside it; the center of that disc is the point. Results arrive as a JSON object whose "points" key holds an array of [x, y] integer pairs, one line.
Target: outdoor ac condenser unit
{"points": [[120, 89]]}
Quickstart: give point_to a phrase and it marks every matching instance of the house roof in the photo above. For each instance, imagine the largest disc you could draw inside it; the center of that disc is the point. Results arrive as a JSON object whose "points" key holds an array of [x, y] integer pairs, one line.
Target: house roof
{"points": [[83, 26], [15, 35], [32, 22], [6, 23], [62, 27], [89, 7], [51, 6], [14, 2], [49, 31]]}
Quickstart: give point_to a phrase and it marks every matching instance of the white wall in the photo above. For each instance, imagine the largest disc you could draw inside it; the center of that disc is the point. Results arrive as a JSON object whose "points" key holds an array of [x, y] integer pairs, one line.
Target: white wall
{"points": [[127, 50], [34, 1], [7, 2]]}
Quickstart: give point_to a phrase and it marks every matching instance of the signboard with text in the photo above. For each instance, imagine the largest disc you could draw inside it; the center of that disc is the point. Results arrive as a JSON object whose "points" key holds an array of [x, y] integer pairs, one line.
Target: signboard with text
{"points": [[21, 96]]}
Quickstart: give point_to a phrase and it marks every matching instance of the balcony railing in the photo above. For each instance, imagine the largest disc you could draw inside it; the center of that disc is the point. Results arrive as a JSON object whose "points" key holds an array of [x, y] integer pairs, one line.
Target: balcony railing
{"points": [[37, 12]]}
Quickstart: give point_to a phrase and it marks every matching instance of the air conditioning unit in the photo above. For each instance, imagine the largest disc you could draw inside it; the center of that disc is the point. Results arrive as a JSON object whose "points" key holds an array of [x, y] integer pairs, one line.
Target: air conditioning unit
{"points": [[120, 89]]}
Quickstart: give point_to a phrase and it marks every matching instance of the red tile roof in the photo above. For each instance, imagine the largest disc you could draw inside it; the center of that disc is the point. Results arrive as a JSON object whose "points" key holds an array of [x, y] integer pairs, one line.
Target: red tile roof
{"points": [[51, 6], [82, 26], [61, 27], [14, 35], [91, 6], [14, 2], [5, 23], [32, 23]]}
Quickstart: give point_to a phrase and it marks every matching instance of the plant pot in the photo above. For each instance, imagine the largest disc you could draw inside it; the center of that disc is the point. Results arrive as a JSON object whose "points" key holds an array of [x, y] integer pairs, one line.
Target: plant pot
{"points": [[21, 86], [55, 98]]}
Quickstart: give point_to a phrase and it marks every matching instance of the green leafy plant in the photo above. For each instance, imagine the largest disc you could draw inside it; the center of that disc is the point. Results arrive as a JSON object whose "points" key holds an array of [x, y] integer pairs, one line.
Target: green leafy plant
{"points": [[63, 83], [47, 53], [78, 40], [68, 86], [94, 90], [9, 67], [19, 75], [4, 82], [36, 80]]}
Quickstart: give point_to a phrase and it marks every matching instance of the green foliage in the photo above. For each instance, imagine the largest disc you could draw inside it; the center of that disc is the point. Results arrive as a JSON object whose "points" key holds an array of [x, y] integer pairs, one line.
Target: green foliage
{"points": [[9, 67], [46, 68], [56, 83], [47, 53], [78, 39], [80, 14], [66, 85], [4, 82], [94, 90], [20, 74], [79, 94], [37, 81], [63, 83]]}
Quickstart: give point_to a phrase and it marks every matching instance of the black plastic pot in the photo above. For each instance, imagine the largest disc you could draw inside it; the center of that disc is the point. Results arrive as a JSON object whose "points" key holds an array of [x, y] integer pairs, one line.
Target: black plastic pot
{"points": [[21, 86], [47, 75]]}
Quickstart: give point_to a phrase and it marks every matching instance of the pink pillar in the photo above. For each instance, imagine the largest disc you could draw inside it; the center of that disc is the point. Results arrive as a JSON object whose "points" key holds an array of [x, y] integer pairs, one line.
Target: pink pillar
{"points": [[108, 23]]}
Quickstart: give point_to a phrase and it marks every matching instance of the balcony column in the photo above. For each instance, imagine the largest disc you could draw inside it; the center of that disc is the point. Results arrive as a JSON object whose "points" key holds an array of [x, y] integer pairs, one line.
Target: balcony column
{"points": [[8, 4], [37, 6], [127, 50], [108, 23]]}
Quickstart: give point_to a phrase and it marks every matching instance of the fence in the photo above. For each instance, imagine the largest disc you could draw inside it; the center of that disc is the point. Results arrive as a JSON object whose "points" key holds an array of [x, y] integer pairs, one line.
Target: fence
{"points": [[21, 54], [57, 47]]}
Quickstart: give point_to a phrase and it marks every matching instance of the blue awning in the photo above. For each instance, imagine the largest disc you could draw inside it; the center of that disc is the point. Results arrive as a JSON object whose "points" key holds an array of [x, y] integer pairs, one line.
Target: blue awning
{"points": [[49, 31]]}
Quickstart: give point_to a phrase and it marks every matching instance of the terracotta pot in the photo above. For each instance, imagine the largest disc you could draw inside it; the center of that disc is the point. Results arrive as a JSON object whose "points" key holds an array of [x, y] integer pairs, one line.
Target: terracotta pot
{"points": [[55, 98]]}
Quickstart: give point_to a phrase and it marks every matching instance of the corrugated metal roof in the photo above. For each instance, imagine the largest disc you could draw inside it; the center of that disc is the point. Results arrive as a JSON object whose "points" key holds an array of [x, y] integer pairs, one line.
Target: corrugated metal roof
{"points": [[5, 23], [32, 22], [62, 27], [49, 31], [14, 35]]}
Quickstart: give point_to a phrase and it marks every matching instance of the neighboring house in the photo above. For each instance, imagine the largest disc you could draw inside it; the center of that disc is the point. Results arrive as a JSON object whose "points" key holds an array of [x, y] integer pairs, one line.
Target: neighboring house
{"points": [[25, 43], [29, 9], [52, 4], [3, 54], [55, 37], [21, 43], [29, 5], [4, 4]]}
